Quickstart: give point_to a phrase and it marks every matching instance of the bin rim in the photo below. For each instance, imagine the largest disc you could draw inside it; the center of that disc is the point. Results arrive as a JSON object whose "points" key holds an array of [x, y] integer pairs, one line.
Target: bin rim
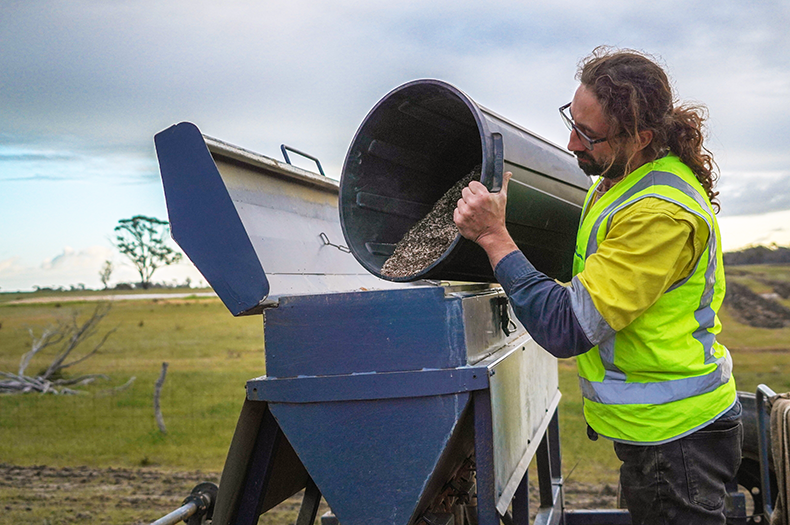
{"points": [[486, 168]]}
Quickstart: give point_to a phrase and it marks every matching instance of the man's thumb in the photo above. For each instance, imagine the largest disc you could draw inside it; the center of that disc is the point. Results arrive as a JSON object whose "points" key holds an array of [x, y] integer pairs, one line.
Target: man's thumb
{"points": [[505, 179]]}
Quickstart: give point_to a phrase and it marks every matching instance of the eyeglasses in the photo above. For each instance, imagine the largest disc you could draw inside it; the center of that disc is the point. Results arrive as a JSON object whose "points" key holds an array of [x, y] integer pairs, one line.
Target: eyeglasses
{"points": [[586, 141]]}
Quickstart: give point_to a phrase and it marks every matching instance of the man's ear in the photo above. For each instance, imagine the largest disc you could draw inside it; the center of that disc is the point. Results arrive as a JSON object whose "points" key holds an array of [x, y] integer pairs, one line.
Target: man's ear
{"points": [[644, 139]]}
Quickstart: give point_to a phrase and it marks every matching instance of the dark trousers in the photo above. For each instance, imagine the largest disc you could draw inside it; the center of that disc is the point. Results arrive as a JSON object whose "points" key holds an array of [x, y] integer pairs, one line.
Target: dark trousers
{"points": [[683, 481]]}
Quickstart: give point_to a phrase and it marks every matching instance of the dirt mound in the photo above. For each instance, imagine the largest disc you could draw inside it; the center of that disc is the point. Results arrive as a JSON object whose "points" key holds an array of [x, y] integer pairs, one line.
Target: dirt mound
{"points": [[781, 288], [749, 308]]}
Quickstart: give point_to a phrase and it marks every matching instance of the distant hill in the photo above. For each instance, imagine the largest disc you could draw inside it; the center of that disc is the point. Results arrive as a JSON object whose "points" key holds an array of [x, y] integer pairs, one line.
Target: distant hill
{"points": [[758, 255]]}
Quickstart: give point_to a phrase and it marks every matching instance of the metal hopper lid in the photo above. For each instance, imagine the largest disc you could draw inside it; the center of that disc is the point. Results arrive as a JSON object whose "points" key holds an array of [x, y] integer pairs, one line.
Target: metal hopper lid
{"points": [[254, 227]]}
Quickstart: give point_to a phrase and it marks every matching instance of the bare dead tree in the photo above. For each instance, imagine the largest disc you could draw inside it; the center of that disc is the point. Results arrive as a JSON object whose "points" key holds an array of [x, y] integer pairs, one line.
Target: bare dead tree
{"points": [[65, 336]]}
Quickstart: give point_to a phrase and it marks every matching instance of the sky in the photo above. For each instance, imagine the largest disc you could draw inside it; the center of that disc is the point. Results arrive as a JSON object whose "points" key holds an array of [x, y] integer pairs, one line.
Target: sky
{"points": [[85, 85]]}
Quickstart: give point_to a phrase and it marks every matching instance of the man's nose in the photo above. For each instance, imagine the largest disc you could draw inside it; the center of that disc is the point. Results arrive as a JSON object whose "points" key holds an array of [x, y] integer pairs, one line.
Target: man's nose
{"points": [[575, 143]]}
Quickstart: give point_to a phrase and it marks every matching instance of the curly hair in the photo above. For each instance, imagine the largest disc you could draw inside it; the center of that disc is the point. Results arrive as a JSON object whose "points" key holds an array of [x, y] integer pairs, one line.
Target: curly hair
{"points": [[636, 95]]}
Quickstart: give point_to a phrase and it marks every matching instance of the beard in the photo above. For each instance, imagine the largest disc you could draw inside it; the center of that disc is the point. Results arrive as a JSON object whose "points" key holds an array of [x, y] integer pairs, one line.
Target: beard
{"points": [[592, 167]]}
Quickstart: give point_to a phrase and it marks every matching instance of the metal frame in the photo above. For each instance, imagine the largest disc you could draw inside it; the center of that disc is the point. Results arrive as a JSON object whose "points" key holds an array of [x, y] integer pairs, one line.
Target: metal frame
{"points": [[259, 473], [763, 430], [484, 459], [349, 387], [310, 502], [352, 387], [549, 464]]}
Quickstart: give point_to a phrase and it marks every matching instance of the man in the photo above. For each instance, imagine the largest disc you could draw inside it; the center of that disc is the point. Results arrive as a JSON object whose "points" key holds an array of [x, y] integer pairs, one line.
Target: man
{"points": [[640, 312]]}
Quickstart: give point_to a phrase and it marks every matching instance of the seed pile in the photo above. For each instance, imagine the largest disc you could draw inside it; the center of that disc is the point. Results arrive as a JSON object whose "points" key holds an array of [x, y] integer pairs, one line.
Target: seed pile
{"points": [[427, 240]]}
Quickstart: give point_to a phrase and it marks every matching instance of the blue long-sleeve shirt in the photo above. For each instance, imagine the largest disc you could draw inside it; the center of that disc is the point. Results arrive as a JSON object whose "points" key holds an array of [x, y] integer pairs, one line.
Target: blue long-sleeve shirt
{"points": [[543, 306]]}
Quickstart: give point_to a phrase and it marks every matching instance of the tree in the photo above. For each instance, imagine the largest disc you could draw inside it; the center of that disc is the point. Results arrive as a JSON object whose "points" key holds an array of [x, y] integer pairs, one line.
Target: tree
{"points": [[772, 254], [105, 273], [66, 336], [144, 241]]}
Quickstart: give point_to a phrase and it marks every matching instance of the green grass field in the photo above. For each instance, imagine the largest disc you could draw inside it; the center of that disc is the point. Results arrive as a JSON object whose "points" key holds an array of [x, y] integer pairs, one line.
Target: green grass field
{"points": [[211, 354]]}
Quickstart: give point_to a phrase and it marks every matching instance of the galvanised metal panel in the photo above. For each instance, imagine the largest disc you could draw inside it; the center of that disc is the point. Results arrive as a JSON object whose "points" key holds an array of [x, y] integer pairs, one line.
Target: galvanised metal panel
{"points": [[292, 221], [242, 218], [524, 386], [485, 314], [285, 217]]}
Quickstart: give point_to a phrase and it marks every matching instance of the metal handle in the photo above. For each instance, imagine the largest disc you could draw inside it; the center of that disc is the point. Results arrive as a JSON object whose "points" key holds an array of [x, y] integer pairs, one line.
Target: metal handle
{"points": [[508, 326], [198, 506], [325, 239], [764, 395], [498, 170], [285, 149]]}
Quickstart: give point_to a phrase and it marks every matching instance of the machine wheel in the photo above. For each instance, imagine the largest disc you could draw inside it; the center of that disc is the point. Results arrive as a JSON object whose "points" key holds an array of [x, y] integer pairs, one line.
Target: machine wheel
{"points": [[749, 479]]}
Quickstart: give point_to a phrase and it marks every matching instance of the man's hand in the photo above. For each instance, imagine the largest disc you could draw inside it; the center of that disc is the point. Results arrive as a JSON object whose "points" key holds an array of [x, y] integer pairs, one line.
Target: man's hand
{"points": [[480, 217]]}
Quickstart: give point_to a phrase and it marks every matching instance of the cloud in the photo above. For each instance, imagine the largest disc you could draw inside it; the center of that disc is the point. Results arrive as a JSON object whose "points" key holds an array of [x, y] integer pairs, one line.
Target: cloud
{"points": [[755, 193], [69, 267], [740, 231], [11, 266], [36, 177], [32, 157], [72, 267], [70, 258], [75, 160]]}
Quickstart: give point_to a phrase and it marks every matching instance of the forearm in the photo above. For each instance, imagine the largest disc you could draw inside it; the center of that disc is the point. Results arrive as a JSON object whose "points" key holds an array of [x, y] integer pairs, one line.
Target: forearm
{"points": [[497, 245]]}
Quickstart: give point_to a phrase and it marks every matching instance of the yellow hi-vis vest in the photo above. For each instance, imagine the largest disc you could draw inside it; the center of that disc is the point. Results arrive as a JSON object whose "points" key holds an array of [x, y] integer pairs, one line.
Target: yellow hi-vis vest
{"points": [[664, 375]]}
